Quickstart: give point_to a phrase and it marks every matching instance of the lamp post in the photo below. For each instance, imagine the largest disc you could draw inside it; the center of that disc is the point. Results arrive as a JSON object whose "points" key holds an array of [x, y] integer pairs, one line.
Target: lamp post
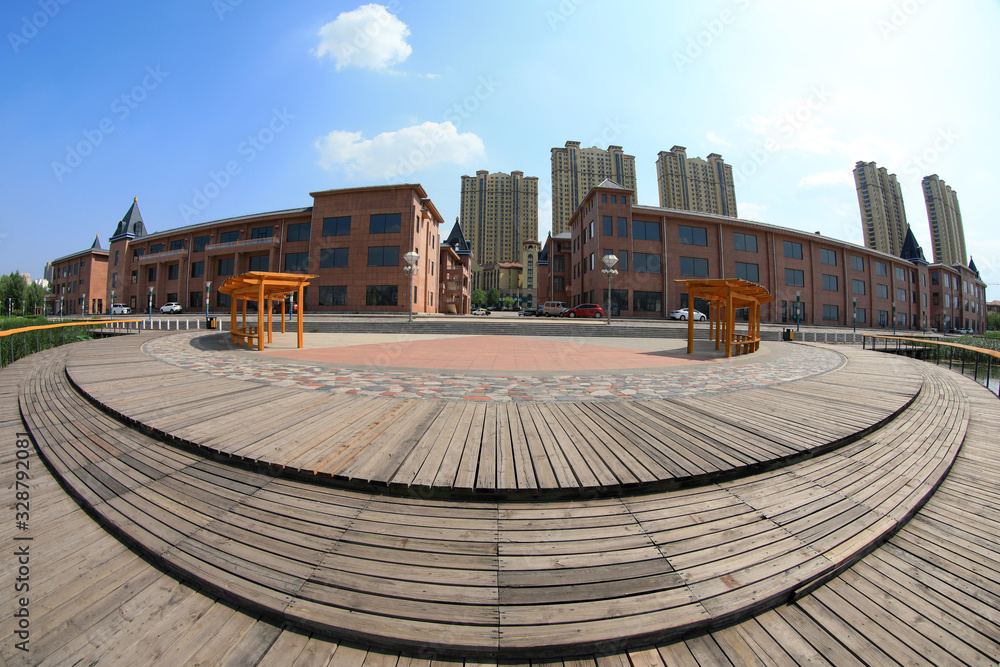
{"points": [[798, 308], [609, 270], [112, 304], [61, 306], [208, 296], [83, 311], [411, 267], [150, 307], [893, 319], [855, 314]]}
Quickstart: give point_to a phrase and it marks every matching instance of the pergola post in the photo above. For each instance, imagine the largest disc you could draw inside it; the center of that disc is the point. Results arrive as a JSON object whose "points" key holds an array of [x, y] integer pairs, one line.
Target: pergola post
{"points": [[730, 322], [260, 318], [269, 322], [717, 323], [232, 318], [690, 322], [243, 302], [298, 300], [282, 313]]}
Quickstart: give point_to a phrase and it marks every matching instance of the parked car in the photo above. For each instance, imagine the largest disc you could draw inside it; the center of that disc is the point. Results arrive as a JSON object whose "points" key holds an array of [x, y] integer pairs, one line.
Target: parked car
{"points": [[585, 310], [120, 309], [525, 313], [171, 307], [682, 314], [553, 308], [480, 311]]}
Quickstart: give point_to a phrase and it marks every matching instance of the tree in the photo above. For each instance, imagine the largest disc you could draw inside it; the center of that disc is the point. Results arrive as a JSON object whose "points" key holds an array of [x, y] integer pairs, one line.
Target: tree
{"points": [[35, 298], [493, 296], [478, 298], [13, 288], [993, 321], [508, 302]]}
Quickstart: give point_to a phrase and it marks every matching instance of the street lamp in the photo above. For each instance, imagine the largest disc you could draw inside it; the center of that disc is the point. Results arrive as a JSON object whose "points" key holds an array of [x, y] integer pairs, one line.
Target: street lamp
{"points": [[411, 267], [84, 311], [150, 307], [112, 304], [798, 308], [855, 314], [208, 296], [609, 270], [893, 319]]}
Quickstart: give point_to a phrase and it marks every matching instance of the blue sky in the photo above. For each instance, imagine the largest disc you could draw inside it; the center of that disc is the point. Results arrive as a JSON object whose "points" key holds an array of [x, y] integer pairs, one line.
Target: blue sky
{"points": [[215, 108]]}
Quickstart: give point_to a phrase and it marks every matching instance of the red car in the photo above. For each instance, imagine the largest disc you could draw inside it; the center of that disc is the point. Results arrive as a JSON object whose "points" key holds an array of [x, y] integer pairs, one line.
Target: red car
{"points": [[584, 310]]}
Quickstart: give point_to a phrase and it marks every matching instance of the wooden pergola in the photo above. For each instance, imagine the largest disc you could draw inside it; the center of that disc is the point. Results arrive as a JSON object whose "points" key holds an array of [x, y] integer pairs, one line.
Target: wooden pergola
{"points": [[725, 297], [262, 287]]}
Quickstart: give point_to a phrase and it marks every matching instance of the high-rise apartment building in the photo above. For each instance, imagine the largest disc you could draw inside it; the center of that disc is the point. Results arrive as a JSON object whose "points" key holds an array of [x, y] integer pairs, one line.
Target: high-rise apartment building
{"points": [[882, 214], [945, 219], [499, 212], [576, 170], [694, 184]]}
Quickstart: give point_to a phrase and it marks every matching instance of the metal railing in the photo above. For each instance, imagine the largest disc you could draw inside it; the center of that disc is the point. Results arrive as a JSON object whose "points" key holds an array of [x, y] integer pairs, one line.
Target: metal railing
{"points": [[980, 364], [19, 343]]}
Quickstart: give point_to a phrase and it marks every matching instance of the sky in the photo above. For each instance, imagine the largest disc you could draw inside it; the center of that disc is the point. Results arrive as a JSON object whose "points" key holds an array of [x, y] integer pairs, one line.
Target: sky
{"points": [[208, 109]]}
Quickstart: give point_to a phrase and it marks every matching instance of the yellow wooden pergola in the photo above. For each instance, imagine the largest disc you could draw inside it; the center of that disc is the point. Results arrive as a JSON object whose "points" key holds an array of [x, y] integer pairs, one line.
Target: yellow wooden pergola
{"points": [[262, 287], [725, 297]]}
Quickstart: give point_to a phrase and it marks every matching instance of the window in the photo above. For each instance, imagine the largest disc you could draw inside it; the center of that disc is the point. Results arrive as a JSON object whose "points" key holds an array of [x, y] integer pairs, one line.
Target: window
{"points": [[297, 261], [936, 298], [858, 286], [116, 258], [882, 291], [173, 271], [901, 319], [830, 283], [333, 258], [558, 283], [171, 296], [794, 277], [935, 278], [883, 318], [749, 272], [622, 260], [645, 231], [623, 229], [692, 235], [644, 262], [381, 295], [831, 313], [229, 237], [591, 228], [604, 199], [694, 266], [114, 279], [260, 262], [225, 267], [199, 243], [900, 294], [262, 232], [793, 250], [747, 242], [383, 255], [384, 223], [196, 299], [222, 300], [608, 226], [559, 264], [333, 295], [900, 273], [828, 257], [135, 277], [298, 232], [339, 226], [647, 302], [177, 245], [881, 269], [197, 269], [138, 252], [154, 249], [151, 274], [857, 263], [861, 314]]}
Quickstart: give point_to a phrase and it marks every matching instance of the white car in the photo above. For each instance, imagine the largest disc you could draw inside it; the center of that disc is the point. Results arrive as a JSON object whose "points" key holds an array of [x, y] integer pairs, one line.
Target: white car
{"points": [[480, 311], [682, 314], [171, 307], [120, 309]]}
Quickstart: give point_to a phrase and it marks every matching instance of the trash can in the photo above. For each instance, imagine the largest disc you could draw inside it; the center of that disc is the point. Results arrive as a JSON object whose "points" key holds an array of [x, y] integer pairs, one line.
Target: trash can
{"points": [[212, 323], [788, 335]]}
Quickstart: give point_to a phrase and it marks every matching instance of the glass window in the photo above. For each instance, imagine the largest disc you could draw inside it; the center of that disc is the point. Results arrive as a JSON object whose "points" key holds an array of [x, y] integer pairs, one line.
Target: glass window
{"points": [[935, 278], [831, 313], [381, 295], [881, 269], [229, 237], [199, 243], [174, 245], [297, 261], [749, 272], [828, 257], [900, 273], [794, 277], [333, 295], [151, 274], [694, 266], [644, 262], [333, 258], [858, 286], [622, 260], [645, 231], [197, 269], [647, 302], [384, 223], [692, 235], [196, 299], [608, 225], [900, 294], [153, 249], [225, 267], [622, 226], [857, 263], [262, 232], [173, 272], [260, 262], [383, 255], [746, 242], [862, 315], [882, 291], [830, 283], [298, 232], [793, 249], [339, 226]]}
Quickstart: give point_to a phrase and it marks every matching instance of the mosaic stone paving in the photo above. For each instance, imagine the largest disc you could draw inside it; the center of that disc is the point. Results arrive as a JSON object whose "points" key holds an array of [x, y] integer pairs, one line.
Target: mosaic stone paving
{"points": [[240, 364]]}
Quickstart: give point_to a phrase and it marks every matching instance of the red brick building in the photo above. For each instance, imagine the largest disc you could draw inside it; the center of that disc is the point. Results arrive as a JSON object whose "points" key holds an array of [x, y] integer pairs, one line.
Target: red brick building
{"points": [[354, 239], [77, 282], [814, 278]]}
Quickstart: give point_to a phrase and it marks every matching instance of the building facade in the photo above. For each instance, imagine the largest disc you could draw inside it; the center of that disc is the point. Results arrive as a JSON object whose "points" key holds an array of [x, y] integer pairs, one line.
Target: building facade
{"points": [[813, 279], [499, 212], [882, 213], [576, 170], [694, 184], [353, 239], [945, 220], [77, 283]]}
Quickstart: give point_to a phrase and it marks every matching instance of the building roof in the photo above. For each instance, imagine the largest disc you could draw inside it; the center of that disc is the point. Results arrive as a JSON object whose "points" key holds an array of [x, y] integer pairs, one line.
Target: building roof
{"points": [[131, 224], [97, 243], [80, 253], [911, 249], [607, 183], [972, 266], [456, 239]]}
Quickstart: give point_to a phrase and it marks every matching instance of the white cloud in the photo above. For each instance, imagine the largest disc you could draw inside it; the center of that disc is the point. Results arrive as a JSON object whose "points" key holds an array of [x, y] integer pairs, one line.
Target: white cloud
{"points": [[716, 139], [399, 153], [368, 37], [837, 177], [749, 211]]}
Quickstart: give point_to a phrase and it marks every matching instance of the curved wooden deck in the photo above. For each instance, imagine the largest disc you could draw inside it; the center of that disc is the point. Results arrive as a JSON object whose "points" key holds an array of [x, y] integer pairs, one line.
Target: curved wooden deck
{"points": [[508, 578]]}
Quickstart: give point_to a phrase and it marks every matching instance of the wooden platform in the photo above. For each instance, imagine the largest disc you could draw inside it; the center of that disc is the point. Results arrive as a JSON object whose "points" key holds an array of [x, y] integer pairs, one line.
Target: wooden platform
{"points": [[523, 450], [498, 578]]}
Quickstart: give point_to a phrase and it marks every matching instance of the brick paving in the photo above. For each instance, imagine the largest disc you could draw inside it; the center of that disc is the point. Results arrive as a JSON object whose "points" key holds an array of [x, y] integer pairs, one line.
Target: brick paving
{"points": [[494, 368]]}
